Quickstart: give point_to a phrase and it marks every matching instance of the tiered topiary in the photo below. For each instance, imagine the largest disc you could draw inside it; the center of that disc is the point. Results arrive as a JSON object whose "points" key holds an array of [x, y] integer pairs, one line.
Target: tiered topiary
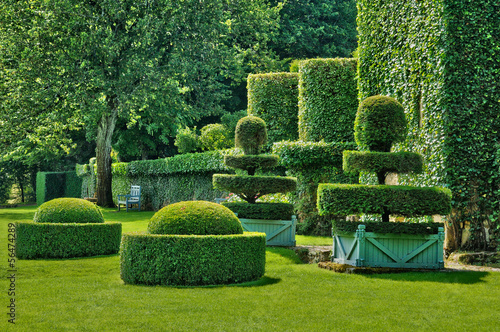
{"points": [[67, 227], [192, 243], [380, 122], [250, 136]]}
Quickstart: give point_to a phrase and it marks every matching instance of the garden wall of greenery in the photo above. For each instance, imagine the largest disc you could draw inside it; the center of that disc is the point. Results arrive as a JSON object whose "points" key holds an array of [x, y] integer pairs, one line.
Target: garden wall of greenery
{"points": [[441, 60], [50, 185], [164, 181]]}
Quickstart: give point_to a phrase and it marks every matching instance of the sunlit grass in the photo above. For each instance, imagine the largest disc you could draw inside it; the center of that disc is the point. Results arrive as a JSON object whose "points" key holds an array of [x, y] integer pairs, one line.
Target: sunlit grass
{"points": [[88, 295]]}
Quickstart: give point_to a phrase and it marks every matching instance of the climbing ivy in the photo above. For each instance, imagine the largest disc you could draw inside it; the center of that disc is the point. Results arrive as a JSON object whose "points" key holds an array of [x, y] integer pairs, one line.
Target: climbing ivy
{"points": [[441, 60]]}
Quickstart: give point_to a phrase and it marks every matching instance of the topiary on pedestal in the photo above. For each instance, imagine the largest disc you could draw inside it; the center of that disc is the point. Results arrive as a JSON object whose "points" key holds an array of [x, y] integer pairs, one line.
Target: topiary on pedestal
{"points": [[192, 243], [379, 123], [65, 228], [250, 136]]}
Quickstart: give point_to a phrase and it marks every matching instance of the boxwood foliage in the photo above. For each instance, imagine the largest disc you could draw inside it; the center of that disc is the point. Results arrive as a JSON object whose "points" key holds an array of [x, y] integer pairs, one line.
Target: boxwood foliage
{"points": [[313, 163], [195, 217], [394, 162], [49, 240], [274, 98], [388, 227], [165, 181], [406, 201], [441, 60], [68, 210], [252, 187], [268, 211], [250, 134], [192, 260], [327, 99]]}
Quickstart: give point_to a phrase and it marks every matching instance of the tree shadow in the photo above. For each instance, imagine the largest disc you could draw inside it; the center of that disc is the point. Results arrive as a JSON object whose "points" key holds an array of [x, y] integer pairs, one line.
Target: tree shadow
{"points": [[442, 276]]}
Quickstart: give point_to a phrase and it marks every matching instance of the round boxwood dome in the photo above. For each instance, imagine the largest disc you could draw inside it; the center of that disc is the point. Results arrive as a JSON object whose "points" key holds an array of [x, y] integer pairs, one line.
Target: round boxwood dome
{"points": [[380, 122], [250, 134], [195, 218], [68, 210]]}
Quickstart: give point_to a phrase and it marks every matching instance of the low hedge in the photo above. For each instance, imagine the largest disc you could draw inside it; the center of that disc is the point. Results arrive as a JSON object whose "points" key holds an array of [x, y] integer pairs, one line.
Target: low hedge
{"points": [[407, 201], [192, 260], [268, 211], [67, 210], [394, 162], [388, 227], [47, 240], [254, 186]]}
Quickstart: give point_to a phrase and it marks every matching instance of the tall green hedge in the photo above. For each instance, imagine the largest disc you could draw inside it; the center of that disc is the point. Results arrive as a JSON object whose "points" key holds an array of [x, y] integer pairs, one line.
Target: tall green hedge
{"points": [[441, 59], [50, 185], [164, 181], [327, 100], [273, 97]]}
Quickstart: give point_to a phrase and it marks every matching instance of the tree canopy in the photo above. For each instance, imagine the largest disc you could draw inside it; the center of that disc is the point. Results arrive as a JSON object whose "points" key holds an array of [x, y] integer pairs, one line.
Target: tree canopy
{"points": [[71, 64]]}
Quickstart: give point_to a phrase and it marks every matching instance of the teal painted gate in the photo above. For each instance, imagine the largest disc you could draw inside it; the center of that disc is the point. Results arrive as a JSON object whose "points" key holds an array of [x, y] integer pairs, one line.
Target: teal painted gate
{"points": [[389, 250], [278, 232]]}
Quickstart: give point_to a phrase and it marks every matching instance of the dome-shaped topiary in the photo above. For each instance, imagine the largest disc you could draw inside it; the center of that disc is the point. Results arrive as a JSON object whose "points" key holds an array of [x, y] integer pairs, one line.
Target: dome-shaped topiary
{"points": [[380, 122], [250, 134], [195, 218], [68, 210]]}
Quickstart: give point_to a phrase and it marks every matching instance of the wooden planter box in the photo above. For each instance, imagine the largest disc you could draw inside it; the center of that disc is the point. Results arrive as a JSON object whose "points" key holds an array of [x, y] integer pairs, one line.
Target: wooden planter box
{"points": [[364, 249], [278, 232]]}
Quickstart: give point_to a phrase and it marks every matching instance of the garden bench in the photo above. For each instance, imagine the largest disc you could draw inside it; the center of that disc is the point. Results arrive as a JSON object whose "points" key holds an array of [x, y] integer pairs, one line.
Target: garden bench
{"points": [[130, 199]]}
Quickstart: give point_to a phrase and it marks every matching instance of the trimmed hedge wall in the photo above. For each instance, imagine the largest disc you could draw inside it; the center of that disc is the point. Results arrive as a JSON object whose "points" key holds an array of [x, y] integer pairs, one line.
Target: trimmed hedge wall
{"points": [[394, 162], [441, 59], [192, 260], [50, 185], [164, 181], [328, 99], [268, 211], [274, 98], [47, 240], [388, 227], [399, 200]]}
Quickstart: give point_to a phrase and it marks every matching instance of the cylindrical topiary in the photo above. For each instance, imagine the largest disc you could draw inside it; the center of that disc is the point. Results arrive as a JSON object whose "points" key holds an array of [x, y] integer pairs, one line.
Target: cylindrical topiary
{"points": [[250, 134], [68, 210], [195, 218], [380, 122]]}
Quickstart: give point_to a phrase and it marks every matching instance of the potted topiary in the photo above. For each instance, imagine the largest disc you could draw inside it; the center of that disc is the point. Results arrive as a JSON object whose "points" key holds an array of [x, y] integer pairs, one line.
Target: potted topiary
{"points": [[65, 228], [192, 243], [380, 122], [274, 219]]}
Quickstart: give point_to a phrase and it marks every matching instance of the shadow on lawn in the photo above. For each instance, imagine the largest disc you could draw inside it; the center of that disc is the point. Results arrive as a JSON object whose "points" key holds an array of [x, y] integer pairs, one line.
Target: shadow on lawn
{"points": [[449, 277]]}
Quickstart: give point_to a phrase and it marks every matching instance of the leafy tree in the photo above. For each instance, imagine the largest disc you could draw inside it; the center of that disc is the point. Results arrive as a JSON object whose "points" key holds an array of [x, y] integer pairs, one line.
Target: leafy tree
{"points": [[316, 28], [215, 136], [69, 64]]}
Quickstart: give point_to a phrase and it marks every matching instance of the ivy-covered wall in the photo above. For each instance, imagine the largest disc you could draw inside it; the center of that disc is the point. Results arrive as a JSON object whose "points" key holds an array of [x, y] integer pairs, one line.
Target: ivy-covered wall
{"points": [[327, 100], [441, 60], [273, 97], [164, 181]]}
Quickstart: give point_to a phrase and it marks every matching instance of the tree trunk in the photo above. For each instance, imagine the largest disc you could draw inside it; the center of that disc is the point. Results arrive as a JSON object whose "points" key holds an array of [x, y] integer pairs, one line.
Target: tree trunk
{"points": [[103, 157]]}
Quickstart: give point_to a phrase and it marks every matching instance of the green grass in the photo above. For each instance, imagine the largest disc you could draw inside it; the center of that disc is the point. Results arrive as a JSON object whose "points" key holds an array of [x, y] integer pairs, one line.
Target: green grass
{"points": [[88, 295]]}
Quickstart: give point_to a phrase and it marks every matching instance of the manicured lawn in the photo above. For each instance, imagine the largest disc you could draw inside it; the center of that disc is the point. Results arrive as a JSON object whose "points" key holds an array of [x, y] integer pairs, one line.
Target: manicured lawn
{"points": [[88, 295]]}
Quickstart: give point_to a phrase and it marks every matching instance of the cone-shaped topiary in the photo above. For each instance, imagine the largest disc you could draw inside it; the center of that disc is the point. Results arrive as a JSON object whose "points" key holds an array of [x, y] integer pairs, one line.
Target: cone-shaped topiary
{"points": [[250, 134], [195, 218], [380, 122], [68, 210]]}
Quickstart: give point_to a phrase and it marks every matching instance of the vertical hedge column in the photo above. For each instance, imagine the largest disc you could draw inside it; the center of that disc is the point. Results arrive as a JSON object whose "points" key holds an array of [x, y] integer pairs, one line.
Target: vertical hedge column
{"points": [[273, 97], [328, 99]]}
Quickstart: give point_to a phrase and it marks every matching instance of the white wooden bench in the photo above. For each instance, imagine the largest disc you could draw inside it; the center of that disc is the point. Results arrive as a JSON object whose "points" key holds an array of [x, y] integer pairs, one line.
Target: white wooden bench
{"points": [[130, 199]]}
